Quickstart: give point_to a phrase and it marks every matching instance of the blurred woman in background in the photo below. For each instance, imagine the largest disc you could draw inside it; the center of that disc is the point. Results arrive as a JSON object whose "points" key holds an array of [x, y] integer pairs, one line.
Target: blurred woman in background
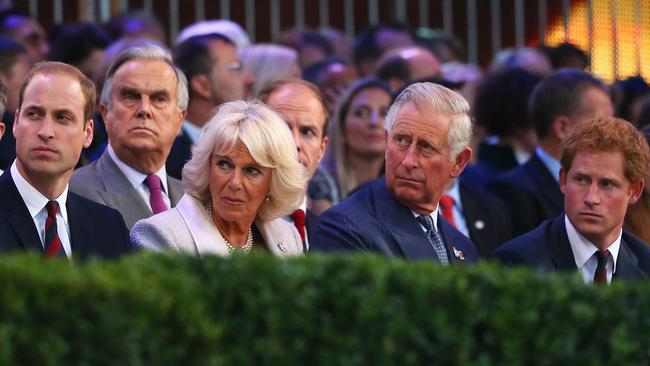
{"points": [[356, 136]]}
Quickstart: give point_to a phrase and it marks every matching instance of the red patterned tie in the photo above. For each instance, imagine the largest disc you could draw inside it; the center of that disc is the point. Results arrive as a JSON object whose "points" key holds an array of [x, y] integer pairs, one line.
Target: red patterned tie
{"points": [[155, 194], [600, 276], [53, 247], [447, 208], [298, 217]]}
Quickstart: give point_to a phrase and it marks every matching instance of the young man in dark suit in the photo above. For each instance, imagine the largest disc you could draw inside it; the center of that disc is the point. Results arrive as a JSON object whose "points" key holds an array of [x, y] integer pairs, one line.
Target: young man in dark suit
{"points": [[52, 124], [428, 130], [604, 164], [561, 100]]}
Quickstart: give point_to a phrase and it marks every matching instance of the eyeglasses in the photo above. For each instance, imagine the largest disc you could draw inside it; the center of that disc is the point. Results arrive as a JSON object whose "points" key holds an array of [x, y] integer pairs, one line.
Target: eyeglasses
{"points": [[234, 66]]}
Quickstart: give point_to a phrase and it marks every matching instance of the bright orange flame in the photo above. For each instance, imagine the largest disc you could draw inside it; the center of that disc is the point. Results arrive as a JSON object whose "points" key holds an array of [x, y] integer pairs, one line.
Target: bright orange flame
{"points": [[621, 45]]}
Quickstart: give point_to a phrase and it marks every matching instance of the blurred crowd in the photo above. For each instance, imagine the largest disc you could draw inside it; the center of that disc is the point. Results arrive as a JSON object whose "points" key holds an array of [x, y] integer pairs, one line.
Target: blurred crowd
{"points": [[335, 95]]}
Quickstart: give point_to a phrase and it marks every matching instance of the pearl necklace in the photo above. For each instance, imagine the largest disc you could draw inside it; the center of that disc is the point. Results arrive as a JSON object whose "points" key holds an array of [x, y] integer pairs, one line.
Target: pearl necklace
{"points": [[246, 248]]}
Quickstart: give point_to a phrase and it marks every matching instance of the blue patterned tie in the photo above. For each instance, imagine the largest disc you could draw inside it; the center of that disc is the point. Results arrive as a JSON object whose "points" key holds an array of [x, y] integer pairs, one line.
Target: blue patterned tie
{"points": [[434, 238]]}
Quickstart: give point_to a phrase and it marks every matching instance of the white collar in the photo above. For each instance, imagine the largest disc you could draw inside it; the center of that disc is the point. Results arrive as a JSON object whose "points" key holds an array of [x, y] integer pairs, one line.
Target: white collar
{"points": [[583, 249], [35, 200], [303, 205], [135, 177], [551, 163], [193, 131], [433, 215]]}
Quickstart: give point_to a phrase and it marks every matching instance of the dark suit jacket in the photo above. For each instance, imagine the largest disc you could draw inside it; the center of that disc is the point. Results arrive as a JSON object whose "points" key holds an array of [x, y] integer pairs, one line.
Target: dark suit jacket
{"points": [[493, 160], [180, 154], [487, 217], [372, 220], [8, 142], [531, 193], [547, 248], [95, 230], [103, 182], [311, 224]]}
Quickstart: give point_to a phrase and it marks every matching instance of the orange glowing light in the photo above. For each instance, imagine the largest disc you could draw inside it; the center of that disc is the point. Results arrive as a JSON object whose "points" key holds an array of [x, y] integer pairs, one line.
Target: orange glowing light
{"points": [[620, 45]]}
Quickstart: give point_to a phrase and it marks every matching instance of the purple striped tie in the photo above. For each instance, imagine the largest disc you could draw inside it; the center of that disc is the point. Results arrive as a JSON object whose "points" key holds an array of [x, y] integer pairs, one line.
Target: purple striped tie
{"points": [[155, 194]]}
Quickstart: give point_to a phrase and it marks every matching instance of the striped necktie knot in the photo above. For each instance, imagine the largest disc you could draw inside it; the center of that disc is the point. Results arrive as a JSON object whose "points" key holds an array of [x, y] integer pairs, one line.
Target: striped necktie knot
{"points": [[52, 242]]}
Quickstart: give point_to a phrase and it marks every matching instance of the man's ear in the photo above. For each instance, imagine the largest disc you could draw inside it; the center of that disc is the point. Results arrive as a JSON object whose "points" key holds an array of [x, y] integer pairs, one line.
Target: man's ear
{"points": [[13, 128], [2, 129], [560, 127], [636, 189], [563, 178], [323, 148], [88, 133], [103, 110], [200, 86], [461, 162]]}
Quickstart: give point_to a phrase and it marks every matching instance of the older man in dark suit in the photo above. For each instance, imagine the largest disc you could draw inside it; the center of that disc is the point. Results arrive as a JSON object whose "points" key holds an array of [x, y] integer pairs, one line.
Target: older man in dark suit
{"points": [[604, 164], [53, 122], [427, 144]]}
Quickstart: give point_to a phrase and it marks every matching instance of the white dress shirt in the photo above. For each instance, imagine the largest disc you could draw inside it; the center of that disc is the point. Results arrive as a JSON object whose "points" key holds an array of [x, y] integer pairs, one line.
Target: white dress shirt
{"points": [[303, 207], [137, 179], [192, 131], [36, 202], [434, 217], [584, 253], [551, 163]]}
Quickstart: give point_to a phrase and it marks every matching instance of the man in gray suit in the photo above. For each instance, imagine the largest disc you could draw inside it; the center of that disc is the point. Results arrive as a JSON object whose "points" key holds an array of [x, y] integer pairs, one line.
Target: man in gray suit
{"points": [[143, 103]]}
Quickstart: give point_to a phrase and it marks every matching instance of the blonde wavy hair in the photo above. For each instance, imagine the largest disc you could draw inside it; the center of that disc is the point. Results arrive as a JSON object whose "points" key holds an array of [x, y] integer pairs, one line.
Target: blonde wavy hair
{"points": [[270, 143]]}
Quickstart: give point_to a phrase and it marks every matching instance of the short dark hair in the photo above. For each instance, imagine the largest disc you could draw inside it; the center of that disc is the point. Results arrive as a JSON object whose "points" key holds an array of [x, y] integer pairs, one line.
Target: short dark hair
{"points": [[315, 73], [266, 93], [9, 52], [366, 46], [315, 39], [3, 102], [9, 14], [193, 57], [566, 54], [560, 94], [395, 67], [73, 43], [51, 67], [501, 101]]}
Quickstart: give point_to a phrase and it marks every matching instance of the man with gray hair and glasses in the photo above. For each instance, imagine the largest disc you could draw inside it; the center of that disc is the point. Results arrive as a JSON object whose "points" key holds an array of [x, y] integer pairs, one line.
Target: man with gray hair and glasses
{"points": [[143, 103], [427, 131]]}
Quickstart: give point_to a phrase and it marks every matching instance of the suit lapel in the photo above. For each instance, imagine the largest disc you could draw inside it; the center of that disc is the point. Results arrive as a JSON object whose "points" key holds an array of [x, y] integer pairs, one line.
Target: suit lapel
{"points": [[18, 215], [627, 266], [559, 246], [81, 238], [176, 190], [118, 192], [401, 224], [470, 211], [311, 224], [549, 187]]}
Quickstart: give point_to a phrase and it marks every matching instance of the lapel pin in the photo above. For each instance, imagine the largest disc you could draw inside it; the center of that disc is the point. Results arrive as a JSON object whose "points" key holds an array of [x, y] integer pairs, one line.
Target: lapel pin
{"points": [[458, 254], [283, 247], [479, 224]]}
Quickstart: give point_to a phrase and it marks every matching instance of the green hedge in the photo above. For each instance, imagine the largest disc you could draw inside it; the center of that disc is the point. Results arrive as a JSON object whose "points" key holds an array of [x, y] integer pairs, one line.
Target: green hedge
{"points": [[319, 310]]}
